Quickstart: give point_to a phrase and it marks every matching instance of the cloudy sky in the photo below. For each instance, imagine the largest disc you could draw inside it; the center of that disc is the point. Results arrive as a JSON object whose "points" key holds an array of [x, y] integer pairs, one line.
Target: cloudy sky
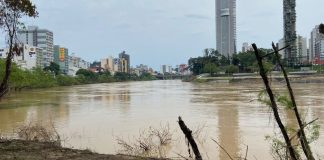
{"points": [[156, 32]]}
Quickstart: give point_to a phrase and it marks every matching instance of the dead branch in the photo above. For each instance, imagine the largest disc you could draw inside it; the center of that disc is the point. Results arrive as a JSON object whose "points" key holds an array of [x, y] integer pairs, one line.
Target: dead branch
{"points": [[163, 134], [182, 156], [302, 138], [246, 152], [38, 132], [188, 134], [229, 156], [273, 105]]}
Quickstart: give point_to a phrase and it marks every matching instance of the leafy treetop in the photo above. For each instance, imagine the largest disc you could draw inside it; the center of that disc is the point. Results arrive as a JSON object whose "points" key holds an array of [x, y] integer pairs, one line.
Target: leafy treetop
{"points": [[26, 7], [321, 28]]}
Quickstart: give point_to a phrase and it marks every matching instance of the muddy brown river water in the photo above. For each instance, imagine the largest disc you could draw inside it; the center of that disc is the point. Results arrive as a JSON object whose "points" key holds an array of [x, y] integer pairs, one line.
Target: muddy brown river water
{"points": [[94, 116]]}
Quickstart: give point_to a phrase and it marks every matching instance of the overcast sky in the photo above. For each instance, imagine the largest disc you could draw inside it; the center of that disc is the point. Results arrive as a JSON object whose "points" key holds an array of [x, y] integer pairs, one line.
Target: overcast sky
{"points": [[156, 32]]}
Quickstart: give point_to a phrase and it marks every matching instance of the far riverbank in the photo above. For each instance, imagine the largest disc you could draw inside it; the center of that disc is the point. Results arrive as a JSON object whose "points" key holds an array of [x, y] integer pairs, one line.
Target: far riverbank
{"points": [[253, 78]]}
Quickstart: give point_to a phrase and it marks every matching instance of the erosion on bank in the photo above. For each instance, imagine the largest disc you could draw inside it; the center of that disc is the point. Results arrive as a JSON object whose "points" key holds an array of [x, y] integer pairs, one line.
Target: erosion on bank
{"points": [[33, 150]]}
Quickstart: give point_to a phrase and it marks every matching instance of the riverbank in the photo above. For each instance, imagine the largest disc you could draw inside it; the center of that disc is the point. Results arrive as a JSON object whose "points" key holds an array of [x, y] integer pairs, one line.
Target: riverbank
{"points": [[33, 150], [316, 78], [37, 78]]}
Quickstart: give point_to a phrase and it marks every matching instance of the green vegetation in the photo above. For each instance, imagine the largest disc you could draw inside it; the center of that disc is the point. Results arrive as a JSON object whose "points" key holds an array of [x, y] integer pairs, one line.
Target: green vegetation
{"points": [[213, 62], [55, 68], [321, 28], [210, 68], [10, 14], [51, 77]]}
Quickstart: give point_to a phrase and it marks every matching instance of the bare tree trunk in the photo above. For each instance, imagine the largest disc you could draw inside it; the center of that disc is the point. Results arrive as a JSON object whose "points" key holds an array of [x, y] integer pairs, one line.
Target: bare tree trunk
{"points": [[4, 87], [274, 106], [302, 136], [189, 137]]}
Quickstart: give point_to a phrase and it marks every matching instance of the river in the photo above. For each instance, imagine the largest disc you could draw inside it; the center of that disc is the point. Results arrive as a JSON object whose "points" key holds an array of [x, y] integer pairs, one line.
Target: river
{"points": [[94, 116]]}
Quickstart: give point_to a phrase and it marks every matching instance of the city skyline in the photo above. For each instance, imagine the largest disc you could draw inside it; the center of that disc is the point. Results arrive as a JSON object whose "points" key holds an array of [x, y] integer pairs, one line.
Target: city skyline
{"points": [[162, 32]]}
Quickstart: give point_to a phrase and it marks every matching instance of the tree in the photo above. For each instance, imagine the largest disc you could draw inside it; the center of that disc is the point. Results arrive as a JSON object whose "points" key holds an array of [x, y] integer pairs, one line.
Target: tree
{"points": [[209, 52], [53, 67], [224, 61], [196, 65], [11, 11], [231, 69], [121, 76], [210, 68], [86, 73], [321, 28], [146, 76]]}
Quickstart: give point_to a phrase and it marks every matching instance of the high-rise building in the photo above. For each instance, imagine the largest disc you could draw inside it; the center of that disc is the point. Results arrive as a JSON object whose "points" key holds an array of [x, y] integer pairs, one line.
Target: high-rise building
{"points": [[300, 57], [281, 44], [169, 69], [301, 45], [124, 62], [116, 64], [315, 36], [226, 27], [246, 47], [61, 57], [41, 38], [317, 46], [108, 64], [319, 51], [290, 35], [163, 69]]}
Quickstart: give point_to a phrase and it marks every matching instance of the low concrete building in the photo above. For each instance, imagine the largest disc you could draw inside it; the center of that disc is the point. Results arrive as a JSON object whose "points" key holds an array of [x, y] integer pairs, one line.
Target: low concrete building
{"points": [[76, 63], [31, 57]]}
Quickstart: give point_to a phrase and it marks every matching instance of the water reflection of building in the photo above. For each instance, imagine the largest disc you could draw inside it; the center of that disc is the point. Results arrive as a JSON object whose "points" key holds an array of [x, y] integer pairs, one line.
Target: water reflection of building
{"points": [[124, 96], [228, 131], [228, 117], [10, 117], [45, 108]]}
